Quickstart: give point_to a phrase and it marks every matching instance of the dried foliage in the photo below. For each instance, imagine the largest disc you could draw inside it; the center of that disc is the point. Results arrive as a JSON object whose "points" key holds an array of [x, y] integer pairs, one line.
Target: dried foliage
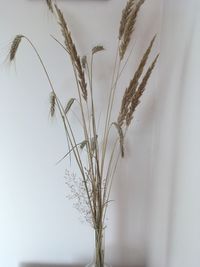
{"points": [[97, 49], [84, 61], [69, 104], [130, 90], [91, 189], [125, 17], [52, 103], [128, 27], [136, 98], [14, 47], [50, 5], [71, 48], [121, 137]]}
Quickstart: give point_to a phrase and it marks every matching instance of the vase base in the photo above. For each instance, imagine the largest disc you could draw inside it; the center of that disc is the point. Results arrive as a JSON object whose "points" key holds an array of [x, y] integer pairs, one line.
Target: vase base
{"points": [[93, 265]]}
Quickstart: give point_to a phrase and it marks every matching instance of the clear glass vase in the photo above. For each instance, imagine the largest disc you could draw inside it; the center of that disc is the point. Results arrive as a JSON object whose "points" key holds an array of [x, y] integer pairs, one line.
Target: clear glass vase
{"points": [[99, 251]]}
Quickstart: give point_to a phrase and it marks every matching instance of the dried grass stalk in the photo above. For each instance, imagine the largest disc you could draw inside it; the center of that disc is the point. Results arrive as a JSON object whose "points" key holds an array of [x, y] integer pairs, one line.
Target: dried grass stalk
{"points": [[97, 49], [129, 28], [125, 16], [84, 61], [96, 178], [52, 104], [70, 46], [69, 104], [14, 46], [136, 98], [121, 137], [130, 90], [93, 144], [50, 5], [83, 144]]}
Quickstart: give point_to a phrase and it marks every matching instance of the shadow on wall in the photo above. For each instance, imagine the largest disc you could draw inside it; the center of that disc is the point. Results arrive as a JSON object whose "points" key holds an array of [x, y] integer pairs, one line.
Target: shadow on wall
{"points": [[60, 265]]}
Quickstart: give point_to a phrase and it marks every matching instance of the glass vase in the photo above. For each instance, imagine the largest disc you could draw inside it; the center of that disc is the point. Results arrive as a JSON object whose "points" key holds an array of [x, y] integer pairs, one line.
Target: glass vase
{"points": [[99, 251]]}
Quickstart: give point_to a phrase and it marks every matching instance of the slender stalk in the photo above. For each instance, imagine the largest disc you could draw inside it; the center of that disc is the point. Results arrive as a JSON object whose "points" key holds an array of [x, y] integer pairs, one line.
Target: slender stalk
{"points": [[113, 174], [111, 99], [107, 111], [113, 90], [63, 116]]}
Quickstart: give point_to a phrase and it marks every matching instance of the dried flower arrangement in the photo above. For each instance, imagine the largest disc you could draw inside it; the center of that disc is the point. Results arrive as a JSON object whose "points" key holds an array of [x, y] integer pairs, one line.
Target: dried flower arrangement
{"points": [[94, 185]]}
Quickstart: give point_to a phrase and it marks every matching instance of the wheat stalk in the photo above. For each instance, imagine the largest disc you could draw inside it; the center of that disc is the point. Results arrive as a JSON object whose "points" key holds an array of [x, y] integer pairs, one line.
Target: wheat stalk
{"points": [[52, 103], [50, 5], [129, 28], [130, 90], [97, 49], [125, 17], [71, 48], [14, 46], [136, 98], [95, 182]]}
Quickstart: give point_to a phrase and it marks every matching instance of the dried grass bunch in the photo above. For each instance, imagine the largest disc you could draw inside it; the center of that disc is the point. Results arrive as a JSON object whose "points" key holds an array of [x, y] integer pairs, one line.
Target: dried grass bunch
{"points": [[92, 189]]}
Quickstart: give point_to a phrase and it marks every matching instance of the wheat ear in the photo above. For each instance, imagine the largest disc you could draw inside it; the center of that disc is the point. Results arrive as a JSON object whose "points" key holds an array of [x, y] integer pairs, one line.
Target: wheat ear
{"points": [[52, 103], [14, 46], [129, 28], [130, 90], [71, 48], [125, 16], [50, 5], [136, 98]]}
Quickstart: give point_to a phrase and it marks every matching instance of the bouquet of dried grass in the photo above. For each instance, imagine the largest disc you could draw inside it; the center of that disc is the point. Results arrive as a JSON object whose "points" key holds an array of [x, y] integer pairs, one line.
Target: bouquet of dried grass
{"points": [[94, 187]]}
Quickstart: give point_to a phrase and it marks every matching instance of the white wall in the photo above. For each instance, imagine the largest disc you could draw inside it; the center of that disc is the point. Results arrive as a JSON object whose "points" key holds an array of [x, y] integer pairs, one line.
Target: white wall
{"points": [[176, 217], [154, 219]]}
